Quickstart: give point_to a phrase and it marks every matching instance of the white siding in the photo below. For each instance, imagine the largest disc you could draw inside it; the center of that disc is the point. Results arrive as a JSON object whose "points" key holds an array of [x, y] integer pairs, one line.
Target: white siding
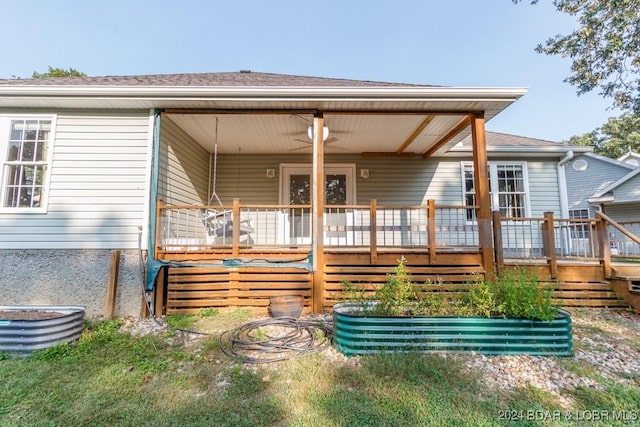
{"points": [[97, 188], [184, 167]]}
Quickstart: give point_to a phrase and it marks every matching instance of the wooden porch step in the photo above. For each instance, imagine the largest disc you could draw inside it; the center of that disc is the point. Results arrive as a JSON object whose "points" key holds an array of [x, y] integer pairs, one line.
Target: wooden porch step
{"points": [[629, 290], [587, 294]]}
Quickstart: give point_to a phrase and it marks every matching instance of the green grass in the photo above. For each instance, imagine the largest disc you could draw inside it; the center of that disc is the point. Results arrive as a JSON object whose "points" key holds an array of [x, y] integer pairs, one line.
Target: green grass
{"points": [[113, 378]]}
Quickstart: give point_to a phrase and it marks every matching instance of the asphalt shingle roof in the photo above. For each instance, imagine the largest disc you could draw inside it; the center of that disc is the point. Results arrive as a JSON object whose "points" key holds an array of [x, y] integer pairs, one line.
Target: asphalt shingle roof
{"points": [[496, 139], [241, 79]]}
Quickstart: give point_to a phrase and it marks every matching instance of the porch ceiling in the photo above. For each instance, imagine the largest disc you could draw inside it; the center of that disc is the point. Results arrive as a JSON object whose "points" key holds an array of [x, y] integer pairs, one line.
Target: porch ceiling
{"points": [[287, 133]]}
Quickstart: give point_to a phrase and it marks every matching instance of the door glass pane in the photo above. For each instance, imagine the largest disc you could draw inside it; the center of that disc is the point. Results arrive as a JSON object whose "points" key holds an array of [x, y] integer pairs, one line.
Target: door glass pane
{"points": [[300, 194], [336, 189], [299, 189]]}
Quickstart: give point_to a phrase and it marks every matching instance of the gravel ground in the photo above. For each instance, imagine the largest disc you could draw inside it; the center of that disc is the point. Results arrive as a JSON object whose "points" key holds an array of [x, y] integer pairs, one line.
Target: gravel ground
{"points": [[606, 348]]}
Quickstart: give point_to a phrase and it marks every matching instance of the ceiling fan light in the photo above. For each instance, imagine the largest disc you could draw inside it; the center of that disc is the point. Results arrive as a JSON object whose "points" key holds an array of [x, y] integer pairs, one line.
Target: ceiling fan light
{"points": [[325, 132]]}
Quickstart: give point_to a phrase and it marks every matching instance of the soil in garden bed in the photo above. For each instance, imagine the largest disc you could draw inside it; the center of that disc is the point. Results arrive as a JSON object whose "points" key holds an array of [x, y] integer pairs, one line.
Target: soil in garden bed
{"points": [[28, 315]]}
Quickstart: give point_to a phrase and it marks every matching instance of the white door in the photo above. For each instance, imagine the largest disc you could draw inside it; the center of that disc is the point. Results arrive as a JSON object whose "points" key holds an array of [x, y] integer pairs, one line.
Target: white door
{"points": [[296, 190]]}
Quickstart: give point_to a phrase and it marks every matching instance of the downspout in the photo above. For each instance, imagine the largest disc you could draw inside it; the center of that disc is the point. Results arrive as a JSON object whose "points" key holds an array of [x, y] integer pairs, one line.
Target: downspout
{"points": [[564, 198], [152, 265], [562, 185]]}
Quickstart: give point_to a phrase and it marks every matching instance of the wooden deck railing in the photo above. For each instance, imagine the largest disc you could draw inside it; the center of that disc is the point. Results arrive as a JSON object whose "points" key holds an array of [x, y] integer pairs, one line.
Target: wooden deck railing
{"points": [[550, 239], [237, 227], [623, 237]]}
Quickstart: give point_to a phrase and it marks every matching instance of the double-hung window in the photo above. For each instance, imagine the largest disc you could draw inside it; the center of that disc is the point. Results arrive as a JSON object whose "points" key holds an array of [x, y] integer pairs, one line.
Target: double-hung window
{"points": [[508, 189], [579, 230], [25, 145]]}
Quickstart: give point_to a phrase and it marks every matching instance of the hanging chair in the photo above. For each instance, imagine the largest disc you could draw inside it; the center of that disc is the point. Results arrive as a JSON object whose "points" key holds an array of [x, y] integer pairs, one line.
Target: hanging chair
{"points": [[219, 227], [219, 222]]}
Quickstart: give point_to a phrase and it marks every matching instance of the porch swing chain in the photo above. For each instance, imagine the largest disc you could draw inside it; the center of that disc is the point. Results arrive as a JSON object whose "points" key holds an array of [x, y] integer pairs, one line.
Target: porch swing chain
{"points": [[215, 169]]}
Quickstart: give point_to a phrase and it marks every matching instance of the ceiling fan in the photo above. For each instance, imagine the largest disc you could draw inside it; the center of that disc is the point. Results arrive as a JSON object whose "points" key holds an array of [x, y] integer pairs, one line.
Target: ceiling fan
{"points": [[308, 141]]}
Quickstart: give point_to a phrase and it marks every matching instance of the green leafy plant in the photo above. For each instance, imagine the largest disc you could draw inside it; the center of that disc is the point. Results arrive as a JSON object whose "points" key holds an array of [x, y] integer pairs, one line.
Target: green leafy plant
{"points": [[397, 295], [516, 294], [209, 312], [181, 321]]}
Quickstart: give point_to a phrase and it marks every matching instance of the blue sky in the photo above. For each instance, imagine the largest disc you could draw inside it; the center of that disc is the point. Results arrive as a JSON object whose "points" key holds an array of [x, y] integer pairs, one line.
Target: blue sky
{"points": [[451, 43]]}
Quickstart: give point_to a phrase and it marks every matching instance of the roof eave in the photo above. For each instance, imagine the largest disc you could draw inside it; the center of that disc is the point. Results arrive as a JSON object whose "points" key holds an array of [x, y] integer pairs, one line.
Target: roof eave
{"points": [[546, 150], [268, 91], [166, 97]]}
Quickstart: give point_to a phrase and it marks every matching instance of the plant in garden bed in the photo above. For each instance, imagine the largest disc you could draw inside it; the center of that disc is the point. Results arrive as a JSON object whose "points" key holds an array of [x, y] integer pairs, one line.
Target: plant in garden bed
{"points": [[515, 294], [511, 314]]}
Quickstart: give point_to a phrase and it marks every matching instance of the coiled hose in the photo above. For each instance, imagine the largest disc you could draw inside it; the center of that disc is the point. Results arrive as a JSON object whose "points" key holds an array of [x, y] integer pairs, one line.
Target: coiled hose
{"points": [[275, 339]]}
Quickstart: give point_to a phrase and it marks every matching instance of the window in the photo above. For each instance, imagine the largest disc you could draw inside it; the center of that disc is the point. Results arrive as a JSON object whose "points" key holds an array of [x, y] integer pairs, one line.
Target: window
{"points": [[579, 230], [24, 152], [579, 214], [507, 188]]}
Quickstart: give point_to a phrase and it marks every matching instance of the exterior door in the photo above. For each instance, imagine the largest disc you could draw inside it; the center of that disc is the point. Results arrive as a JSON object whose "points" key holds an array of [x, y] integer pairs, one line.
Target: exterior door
{"points": [[296, 190]]}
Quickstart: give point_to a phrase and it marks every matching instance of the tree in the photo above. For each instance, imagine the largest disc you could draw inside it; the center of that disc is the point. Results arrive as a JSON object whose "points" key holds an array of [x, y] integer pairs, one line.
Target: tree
{"points": [[614, 138], [605, 48], [58, 72]]}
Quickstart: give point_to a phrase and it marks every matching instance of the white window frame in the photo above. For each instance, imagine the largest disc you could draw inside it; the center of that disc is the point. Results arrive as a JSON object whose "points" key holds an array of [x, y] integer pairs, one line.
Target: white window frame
{"points": [[5, 129], [493, 190], [579, 231]]}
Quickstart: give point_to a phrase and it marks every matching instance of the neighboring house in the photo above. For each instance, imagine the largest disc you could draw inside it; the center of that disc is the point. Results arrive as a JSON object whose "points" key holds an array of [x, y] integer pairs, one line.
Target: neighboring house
{"points": [[630, 157], [598, 183], [218, 168]]}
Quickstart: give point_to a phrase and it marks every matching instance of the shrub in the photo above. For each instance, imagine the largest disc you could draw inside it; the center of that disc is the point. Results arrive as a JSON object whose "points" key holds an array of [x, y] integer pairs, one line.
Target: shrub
{"points": [[514, 294], [397, 295]]}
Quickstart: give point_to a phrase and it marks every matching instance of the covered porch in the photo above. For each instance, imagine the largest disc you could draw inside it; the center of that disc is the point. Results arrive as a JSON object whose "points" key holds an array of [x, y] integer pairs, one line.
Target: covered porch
{"points": [[305, 226], [295, 191]]}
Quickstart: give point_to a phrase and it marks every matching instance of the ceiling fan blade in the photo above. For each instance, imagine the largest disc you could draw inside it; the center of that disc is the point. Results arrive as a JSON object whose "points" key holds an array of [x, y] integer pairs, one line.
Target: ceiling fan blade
{"points": [[326, 141], [304, 147]]}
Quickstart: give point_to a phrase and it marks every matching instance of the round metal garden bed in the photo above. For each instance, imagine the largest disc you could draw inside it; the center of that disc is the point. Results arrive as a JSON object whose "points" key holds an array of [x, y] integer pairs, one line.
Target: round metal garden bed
{"points": [[24, 329]]}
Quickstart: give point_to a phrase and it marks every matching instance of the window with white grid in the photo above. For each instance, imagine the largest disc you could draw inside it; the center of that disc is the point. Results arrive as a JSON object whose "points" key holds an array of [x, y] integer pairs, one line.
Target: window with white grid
{"points": [[579, 230], [25, 156], [508, 189]]}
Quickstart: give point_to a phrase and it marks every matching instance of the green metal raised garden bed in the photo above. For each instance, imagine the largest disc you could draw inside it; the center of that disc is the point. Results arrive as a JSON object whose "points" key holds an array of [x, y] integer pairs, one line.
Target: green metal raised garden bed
{"points": [[355, 333]]}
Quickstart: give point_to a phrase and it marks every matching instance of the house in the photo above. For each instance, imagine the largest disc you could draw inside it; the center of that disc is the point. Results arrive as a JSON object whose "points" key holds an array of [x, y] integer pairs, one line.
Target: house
{"points": [[630, 157], [598, 183], [212, 179]]}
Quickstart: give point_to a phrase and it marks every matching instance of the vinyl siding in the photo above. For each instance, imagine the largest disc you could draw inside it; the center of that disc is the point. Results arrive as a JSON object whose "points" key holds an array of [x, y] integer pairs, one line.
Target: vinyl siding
{"points": [[97, 189], [583, 184], [183, 167], [392, 181], [395, 181], [625, 212], [544, 194], [628, 191]]}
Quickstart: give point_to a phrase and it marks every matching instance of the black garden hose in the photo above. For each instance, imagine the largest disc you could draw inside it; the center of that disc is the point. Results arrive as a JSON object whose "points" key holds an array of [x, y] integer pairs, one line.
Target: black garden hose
{"points": [[274, 339]]}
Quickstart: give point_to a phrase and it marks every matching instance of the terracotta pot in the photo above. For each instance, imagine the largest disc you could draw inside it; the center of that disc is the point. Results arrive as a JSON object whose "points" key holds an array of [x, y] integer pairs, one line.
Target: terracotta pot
{"points": [[286, 306]]}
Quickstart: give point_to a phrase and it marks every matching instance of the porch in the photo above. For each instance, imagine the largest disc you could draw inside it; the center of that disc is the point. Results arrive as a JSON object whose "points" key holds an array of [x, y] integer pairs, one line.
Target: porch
{"points": [[254, 252]]}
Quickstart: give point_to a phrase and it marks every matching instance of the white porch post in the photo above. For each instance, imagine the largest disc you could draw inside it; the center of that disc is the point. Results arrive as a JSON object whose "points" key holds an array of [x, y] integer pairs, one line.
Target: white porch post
{"points": [[317, 213]]}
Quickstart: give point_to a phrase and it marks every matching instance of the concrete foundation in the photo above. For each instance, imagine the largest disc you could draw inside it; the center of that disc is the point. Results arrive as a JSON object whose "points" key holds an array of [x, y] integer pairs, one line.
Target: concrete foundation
{"points": [[70, 277]]}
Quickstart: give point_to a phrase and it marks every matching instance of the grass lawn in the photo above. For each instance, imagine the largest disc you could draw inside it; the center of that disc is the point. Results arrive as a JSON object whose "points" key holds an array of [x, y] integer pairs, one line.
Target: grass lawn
{"points": [[171, 378]]}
